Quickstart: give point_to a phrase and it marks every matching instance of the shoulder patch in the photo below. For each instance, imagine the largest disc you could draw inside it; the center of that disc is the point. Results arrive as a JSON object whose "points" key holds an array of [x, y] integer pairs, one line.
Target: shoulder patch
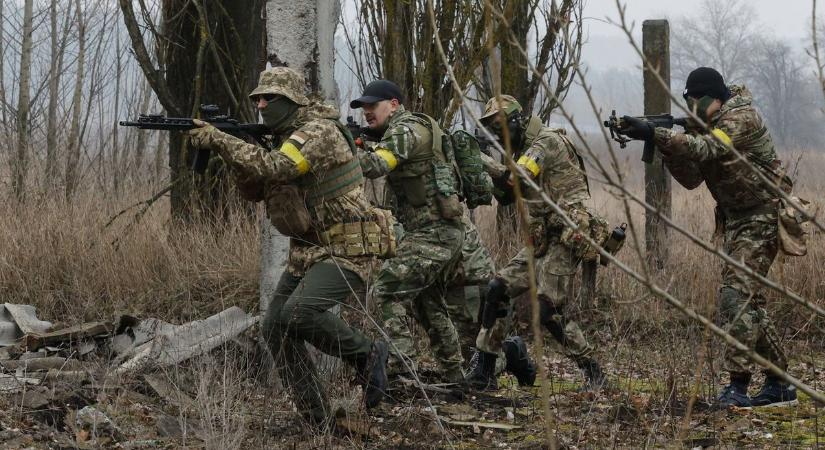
{"points": [[298, 138]]}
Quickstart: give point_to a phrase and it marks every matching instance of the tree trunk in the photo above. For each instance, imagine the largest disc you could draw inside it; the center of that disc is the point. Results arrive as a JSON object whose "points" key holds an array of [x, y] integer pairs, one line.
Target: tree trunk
{"points": [[299, 35], [20, 163], [73, 152], [55, 72], [199, 72]]}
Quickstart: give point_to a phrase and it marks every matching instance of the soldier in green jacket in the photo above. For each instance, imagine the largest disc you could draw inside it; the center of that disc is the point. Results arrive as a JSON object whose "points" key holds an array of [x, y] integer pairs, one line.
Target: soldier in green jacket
{"points": [[425, 187]]}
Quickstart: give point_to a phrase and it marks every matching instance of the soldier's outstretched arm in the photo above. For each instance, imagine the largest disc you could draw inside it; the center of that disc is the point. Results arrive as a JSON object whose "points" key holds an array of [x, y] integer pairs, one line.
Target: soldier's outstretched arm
{"points": [[395, 148], [708, 146], [254, 162]]}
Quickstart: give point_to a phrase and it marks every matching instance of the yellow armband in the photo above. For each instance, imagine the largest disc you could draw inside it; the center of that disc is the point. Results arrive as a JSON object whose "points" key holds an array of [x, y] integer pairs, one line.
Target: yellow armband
{"points": [[388, 157], [529, 164]]}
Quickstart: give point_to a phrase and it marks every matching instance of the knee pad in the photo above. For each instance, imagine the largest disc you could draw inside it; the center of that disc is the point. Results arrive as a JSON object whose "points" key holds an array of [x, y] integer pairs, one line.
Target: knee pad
{"points": [[548, 314], [496, 290]]}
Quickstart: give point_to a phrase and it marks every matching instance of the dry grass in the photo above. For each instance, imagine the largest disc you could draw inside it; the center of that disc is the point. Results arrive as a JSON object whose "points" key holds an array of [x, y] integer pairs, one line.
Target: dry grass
{"points": [[61, 258]]}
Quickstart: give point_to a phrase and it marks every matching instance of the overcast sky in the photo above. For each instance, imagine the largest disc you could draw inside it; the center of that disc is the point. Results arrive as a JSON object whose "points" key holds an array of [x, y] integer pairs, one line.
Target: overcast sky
{"points": [[607, 46]]}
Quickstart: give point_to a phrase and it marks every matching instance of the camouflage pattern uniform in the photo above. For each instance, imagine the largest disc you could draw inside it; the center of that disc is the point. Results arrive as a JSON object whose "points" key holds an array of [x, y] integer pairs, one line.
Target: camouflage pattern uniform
{"points": [[746, 213], [555, 165], [468, 287], [318, 277], [413, 283]]}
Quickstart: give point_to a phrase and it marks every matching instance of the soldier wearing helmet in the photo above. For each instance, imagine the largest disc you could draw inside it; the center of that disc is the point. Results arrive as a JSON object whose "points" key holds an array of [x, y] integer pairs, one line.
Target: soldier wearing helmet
{"points": [[550, 159], [312, 185]]}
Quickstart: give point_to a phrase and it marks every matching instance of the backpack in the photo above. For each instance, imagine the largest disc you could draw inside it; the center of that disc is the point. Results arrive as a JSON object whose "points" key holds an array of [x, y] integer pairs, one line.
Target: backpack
{"points": [[464, 153]]}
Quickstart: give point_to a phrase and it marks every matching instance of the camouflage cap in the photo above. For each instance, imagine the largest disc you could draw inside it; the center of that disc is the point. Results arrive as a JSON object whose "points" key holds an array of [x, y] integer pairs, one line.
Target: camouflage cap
{"points": [[282, 81], [506, 103]]}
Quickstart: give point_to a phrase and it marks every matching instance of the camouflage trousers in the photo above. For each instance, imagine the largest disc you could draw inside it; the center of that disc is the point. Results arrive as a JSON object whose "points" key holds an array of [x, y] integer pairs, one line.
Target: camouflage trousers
{"points": [[554, 272], [469, 287], [752, 240], [413, 285], [299, 313]]}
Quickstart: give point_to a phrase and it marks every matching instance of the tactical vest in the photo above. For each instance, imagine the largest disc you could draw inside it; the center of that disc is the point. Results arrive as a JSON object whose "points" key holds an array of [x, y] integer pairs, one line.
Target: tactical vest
{"points": [[425, 185]]}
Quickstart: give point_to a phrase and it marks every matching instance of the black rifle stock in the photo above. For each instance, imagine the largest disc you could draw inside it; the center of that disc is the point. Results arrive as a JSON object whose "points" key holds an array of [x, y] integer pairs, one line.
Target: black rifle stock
{"points": [[256, 131], [615, 124]]}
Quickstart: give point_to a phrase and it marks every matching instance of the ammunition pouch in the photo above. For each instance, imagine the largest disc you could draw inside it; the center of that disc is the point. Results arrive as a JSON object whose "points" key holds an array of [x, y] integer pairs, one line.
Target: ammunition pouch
{"points": [[362, 237], [588, 224], [288, 211], [793, 227]]}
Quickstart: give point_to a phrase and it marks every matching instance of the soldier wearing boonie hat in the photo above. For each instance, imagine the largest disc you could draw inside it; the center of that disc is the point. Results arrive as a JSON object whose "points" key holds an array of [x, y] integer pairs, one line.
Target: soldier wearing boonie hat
{"points": [[312, 185]]}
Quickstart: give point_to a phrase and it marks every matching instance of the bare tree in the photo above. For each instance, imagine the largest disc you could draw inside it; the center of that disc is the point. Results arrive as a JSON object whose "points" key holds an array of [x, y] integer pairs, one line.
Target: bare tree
{"points": [[718, 35], [395, 40], [205, 52], [20, 163], [73, 150], [58, 40]]}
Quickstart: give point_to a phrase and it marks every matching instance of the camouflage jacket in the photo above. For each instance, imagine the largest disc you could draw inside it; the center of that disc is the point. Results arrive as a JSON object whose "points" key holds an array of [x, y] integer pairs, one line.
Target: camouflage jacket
{"points": [[314, 147], [555, 165], [405, 155], [697, 156]]}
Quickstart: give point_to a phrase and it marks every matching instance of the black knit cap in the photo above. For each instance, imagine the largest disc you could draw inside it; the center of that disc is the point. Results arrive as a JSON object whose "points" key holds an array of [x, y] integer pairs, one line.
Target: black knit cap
{"points": [[706, 81]]}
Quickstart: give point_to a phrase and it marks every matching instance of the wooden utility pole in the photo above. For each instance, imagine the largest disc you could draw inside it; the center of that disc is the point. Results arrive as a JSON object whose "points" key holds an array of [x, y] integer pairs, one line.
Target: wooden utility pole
{"points": [[656, 48]]}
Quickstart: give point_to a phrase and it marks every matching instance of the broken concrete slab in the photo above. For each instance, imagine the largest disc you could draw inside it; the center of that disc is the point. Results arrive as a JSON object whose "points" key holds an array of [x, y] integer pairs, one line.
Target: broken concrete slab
{"points": [[18, 320], [72, 334], [192, 339], [11, 383], [132, 332], [25, 316], [46, 363]]}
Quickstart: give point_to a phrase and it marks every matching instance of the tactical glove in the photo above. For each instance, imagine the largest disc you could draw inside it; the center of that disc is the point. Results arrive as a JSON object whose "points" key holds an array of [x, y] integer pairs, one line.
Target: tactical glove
{"points": [[636, 128], [203, 136]]}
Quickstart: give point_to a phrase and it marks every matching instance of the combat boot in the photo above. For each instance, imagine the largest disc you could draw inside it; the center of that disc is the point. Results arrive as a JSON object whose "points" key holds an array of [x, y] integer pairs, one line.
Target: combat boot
{"points": [[372, 372], [483, 375], [735, 393], [518, 361], [593, 375], [775, 392]]}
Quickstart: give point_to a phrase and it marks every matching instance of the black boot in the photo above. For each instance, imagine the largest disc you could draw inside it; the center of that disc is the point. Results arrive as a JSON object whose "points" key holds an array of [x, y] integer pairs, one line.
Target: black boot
{"points": [[518, 361], [775, 392], [594, 377], [483, 375], [372, 374], [735, 393]]}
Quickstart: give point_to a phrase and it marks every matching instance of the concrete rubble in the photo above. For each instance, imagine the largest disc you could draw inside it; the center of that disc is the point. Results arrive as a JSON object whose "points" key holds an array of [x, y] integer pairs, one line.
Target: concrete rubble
{"points": [[62, 377]]}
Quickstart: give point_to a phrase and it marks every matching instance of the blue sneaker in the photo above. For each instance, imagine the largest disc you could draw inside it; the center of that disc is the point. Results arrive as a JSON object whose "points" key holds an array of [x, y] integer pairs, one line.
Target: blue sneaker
{"points": [[734, 394], [775, 393]]}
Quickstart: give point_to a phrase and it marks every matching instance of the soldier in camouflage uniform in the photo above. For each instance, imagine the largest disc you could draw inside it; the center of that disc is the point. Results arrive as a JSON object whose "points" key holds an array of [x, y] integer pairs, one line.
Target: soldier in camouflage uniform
{"points": [[746, 215], [553, 162], [312, 186], [425, 187]]}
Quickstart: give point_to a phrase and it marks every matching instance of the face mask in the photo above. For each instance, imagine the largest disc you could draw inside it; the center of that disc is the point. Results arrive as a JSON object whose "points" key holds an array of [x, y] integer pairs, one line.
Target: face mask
{"points": [[279, 113], [700, 106]]}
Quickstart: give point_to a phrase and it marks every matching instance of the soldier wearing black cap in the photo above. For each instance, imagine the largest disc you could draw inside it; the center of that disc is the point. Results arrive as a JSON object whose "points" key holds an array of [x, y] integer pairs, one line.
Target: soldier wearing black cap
{"points": [[746, 214], [425, 187]]}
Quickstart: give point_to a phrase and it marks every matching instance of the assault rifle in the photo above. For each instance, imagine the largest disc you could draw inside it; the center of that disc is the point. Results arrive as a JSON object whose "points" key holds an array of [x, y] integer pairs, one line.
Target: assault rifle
{"points": [[359, 132], [210, 113], [615, 125]]}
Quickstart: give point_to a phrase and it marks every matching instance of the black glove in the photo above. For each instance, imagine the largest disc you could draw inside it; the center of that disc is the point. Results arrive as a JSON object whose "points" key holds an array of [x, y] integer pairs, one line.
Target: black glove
{"points": [[503, 190], [636, 128]]}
